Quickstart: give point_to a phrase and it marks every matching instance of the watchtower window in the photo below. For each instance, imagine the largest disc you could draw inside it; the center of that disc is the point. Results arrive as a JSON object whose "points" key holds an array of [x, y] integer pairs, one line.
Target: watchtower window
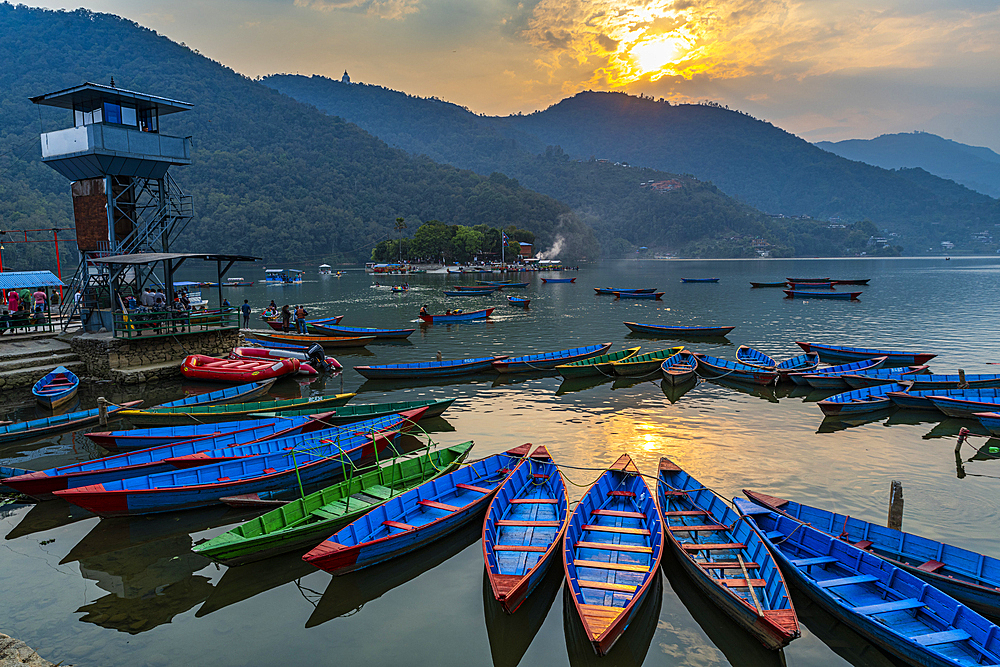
{"points": [[148, 121], [87, 115]]}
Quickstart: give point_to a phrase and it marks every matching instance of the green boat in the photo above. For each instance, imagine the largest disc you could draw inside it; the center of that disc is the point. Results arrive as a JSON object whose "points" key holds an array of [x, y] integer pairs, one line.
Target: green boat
{"points": [[223, 413], [304, 523], [643, 364], [349, 414], [597, 365]]}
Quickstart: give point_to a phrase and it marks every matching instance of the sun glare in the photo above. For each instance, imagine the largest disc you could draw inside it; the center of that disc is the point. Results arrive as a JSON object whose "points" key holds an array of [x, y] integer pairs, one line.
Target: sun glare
{"points": [[654, 55]]}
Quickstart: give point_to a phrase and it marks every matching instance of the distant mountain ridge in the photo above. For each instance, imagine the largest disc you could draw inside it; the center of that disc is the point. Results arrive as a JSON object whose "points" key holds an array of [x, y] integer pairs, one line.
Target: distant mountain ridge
{"points": [[975, 167]]}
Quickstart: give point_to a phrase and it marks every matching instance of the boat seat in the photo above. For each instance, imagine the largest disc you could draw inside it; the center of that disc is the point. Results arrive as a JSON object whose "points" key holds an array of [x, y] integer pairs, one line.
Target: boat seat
{"points": [[540, 476], [380, 492], [222, 479], [529, 524], [619, 513], [674, 494], [931, 566], [946, 637], [397, 524], [774, 534], [847, 581], [700, 528], [726, 565], [470, 487], [605, 586], [687, 513], [624, 494], [615, 529], [518, 547], [741, 583], [637, 548], [536, 501], [733, 546], [438, 506], [886, 607], [863, 544], [269, 471], [622, 567], [809, 562]]}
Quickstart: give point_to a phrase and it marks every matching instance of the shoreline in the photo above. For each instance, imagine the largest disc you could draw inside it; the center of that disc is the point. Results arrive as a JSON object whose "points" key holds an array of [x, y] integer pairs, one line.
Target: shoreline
{"points": [[16, 652]]}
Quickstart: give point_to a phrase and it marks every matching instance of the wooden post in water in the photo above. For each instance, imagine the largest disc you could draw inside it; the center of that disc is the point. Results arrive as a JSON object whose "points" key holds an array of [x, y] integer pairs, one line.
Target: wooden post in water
{"points": [[102, 410], [962, 383], [895, 506]]}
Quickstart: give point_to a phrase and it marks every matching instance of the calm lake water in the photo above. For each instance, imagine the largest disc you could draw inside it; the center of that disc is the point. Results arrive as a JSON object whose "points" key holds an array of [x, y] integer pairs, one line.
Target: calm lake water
{"points": [[130, 592]]}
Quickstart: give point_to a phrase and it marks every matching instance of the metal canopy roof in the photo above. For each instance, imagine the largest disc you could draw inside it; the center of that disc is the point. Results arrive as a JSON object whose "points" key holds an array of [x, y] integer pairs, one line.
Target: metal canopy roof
{"points": [[19, 279], [151, 257], [93, 92]]}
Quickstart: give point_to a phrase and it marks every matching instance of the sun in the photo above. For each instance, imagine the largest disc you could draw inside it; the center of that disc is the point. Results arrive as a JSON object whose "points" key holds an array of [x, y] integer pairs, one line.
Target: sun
{"points": [[654, 55]]}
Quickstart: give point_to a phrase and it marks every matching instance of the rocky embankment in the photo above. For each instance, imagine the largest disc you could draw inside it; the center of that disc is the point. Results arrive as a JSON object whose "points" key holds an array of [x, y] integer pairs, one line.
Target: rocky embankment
{"points": [[15, 653]]}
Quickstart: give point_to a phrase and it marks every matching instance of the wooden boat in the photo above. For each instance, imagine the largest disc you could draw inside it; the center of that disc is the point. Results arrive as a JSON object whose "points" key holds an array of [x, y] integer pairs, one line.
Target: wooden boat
{"points": [[338, 416], [303, 523], [838, 354], [680, 332], [657, 296], [612, 552], [624, 290], [222, 413], [43, 483], [679, 368], [887, 605], [468, 292], [858, 401], [798, 364], [558, 280], [719, 552], [267, 353], [920, 399], [309, 340], [699, 280], [494, 283], [857, 281], [229, 395], [643, 364], [856, 366], [967, 576], [276, 324], [69, 421], [802, 294], [202, 367], [56, 388], [596, 366], [6, 471], [548, 360], [330, 330], [515, 285], [990, 421], [798, 286], [524, 529], [808, 280], [299, 460], [416, 517], [782, 284], [428, 369], [459, 317], [968, 404], [517, 301], [917, 377], [398, 288], [273, 345], [733, 370]]}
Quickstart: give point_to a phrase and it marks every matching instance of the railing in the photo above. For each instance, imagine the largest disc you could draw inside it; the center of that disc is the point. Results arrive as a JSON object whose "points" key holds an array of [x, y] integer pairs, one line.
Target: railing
{"points": [[156, 324], [118, 140]]}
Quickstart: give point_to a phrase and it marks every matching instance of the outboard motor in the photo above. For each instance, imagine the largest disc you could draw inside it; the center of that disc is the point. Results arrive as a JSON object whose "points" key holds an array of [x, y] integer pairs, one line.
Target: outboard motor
{"points": [[317, 358]]}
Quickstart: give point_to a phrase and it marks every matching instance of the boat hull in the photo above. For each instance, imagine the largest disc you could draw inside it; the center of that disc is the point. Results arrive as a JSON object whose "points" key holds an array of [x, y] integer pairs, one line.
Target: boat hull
{"points": [[428, 371], [684, 332], [598, 366], [801, 294], [836, 354], [538, 362], [463, 317], [175, 416], [71, 421], [326, 341]]}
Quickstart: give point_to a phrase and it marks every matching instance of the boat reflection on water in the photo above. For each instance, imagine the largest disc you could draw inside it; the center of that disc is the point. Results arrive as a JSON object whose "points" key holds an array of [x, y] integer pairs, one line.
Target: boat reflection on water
{"points": [[350, 592], [633, 645], [385, 386], [674, 392], [950, 426], [841, 639], [570, 385], [46, 516], [244, 582], [510, 635], [716, 341], [739, 647], [766, 393], [792, 390], [832, 424], [990, 451]]}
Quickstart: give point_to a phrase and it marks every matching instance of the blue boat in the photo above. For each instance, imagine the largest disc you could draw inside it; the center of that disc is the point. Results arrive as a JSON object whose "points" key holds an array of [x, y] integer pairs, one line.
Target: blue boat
{"points": [[801, 378], [803, 294], [127, 441], [337, 330], [43, 483], [839, 354], [699, 280], [257, 342], [6, 471], [418, 516], [301, 460], [679, 332], [859, 401], [624, 290], [966, 405], [429, 369], [969, 577], [654, 296], [798, 364], [238, 394], [57, 388], [885, 604], [733, 370], [918, 378], [457, 316], [518, 301], [499, 284], [990, 421], [548, 360], [725, 557], [558, 280], [524, 529], [70, 421], [468, 292], [612, 552], [679, 368]]}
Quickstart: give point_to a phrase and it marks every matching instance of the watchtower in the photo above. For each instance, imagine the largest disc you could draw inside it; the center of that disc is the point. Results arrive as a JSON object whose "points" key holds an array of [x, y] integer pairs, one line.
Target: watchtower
{"points": [[124, 200]]}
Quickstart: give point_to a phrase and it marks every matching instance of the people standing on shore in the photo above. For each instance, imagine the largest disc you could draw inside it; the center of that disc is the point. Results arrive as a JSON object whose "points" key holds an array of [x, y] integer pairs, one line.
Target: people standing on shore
{"points": [[300, 319], [286, 318], [245, 309]]}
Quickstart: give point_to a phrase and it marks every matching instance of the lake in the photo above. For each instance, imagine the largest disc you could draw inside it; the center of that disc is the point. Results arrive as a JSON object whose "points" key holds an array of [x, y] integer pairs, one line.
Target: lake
{"points": [[130, 591]]}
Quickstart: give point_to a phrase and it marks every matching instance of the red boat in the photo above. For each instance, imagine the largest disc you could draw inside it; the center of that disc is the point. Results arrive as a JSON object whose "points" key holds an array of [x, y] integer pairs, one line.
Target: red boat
{"points": [[275, 323], [201, 367], [269, 354]]}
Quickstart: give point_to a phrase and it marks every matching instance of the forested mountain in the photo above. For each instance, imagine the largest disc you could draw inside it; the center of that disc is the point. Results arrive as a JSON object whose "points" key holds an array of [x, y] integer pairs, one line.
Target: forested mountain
{"points": [[974, 167], [270, 176]]}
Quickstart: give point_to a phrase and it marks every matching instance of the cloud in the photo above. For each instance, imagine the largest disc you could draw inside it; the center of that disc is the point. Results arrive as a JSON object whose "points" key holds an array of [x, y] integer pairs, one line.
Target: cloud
{"points": [[385, 9]]}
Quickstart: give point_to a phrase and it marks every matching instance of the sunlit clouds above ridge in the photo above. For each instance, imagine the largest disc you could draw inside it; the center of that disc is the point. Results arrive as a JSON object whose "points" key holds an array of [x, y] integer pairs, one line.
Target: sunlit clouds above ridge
{"points": [[822, 69]]}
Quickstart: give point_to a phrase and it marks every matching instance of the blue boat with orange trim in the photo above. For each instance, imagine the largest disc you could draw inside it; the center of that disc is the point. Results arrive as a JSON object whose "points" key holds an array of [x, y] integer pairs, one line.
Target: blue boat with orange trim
{"points": [[524, 529], [681, 331], [69, 421], [558, 280], [859, 401], [429, 369], [733, 370], [801, 378], [418, 516], [834, 354], [56, 388], [548, 360], [457, 316], [337, 330]]}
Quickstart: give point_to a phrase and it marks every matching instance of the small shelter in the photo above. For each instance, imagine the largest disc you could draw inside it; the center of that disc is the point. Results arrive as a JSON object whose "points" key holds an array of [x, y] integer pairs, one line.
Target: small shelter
{"points": [[28, 314]]}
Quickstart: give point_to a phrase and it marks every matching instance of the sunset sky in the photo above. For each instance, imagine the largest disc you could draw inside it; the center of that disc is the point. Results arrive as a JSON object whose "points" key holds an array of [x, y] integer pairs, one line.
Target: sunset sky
{"points": [[822, 69]]}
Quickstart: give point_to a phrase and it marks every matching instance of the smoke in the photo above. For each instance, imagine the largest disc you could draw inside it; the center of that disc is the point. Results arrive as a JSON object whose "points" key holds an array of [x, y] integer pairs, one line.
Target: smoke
{"points": [[555, 250]]}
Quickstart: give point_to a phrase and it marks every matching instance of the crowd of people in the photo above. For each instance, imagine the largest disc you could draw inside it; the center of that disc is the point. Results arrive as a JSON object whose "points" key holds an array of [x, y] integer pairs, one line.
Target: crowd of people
{"points": [[286, 314], [23, 308]]}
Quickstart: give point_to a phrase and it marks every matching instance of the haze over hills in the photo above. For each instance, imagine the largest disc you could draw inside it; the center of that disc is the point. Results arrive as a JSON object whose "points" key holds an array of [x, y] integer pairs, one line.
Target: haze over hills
{"points": [[975, 167], [270, 176]]}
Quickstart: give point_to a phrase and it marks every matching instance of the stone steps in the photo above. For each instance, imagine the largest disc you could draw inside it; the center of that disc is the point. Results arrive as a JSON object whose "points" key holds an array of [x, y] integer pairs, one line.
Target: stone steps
{"points": [[39, 361], [23, 361]]}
